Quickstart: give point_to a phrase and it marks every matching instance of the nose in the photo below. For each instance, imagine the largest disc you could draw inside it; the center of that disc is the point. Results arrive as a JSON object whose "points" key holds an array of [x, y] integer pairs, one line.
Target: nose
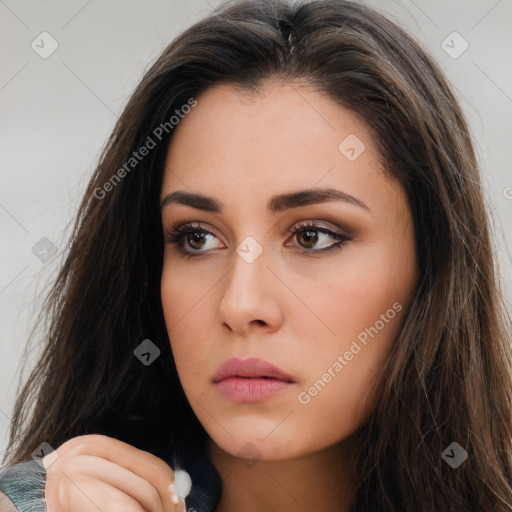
{"points": [[249, 297]]}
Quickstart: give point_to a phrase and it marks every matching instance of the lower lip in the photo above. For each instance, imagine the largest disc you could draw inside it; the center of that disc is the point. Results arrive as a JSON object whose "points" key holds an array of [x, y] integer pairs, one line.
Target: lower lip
{"points": [[245, 390]]}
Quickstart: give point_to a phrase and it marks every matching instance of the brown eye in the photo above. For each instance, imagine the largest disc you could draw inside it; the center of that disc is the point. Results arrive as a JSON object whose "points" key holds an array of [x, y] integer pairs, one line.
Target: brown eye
{"points": [[310, 238], [196, 239], [189, 239]]}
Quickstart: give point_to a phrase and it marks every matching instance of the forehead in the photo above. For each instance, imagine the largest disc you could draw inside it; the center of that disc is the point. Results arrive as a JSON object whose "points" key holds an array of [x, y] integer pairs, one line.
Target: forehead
{"points": [[242, 146]]}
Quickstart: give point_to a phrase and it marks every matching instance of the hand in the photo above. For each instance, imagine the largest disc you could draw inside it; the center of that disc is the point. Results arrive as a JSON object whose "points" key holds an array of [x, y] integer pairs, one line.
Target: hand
{"points": [[98, 473]]}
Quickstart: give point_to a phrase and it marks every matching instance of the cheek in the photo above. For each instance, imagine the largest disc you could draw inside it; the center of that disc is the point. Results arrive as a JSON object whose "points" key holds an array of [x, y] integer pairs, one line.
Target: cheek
{"points": [[339, 391], [177, 293], [363, 304], [353, 296], [365, 288], [184, 292], [183, 306]]}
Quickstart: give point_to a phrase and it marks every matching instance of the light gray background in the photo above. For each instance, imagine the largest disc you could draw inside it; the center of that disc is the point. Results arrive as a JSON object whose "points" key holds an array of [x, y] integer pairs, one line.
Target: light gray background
{"points": [[56, 114]]}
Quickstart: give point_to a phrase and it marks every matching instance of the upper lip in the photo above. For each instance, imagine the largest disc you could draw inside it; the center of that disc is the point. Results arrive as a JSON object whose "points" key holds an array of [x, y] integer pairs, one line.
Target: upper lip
{"points": [[250, 367]]}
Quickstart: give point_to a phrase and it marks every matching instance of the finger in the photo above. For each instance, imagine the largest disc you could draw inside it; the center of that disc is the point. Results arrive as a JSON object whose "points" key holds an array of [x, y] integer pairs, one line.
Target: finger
{"points": [[142, 463], [90, 495], [117, 476]]}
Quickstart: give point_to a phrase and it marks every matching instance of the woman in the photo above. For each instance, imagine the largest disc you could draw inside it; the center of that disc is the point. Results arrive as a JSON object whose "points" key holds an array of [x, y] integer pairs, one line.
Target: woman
{"points": [[281, 279]]}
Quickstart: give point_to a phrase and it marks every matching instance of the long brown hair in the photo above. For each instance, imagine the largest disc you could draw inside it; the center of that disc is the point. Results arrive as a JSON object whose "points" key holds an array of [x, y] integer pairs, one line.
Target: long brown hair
{"points": [[449, 376]]}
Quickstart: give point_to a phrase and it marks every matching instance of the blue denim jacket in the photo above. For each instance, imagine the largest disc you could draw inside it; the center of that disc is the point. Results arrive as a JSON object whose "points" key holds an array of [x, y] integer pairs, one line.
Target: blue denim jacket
{"points": [[24, 485]]}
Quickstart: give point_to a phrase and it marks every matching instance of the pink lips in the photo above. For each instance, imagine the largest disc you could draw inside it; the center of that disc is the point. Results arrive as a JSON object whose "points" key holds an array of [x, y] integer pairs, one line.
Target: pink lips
{"points": [[250, 380], [250, 367]]}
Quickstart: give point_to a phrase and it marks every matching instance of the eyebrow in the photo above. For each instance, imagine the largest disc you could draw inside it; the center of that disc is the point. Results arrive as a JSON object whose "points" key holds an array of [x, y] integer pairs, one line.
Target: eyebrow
{"points": [[276, 204]]}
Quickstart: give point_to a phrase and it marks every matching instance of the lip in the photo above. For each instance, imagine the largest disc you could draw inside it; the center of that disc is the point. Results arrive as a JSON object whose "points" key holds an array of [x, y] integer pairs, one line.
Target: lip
{"points": [[251, 380], [252, 367], [245, 390]]}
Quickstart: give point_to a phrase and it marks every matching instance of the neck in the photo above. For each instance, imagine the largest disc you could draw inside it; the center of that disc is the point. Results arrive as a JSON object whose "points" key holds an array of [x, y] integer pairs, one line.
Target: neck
{"points": [[323, 480]]}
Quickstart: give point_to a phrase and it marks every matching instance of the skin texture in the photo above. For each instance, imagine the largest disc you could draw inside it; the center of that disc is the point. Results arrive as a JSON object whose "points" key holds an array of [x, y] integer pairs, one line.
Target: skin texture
{"points": [[96, 472], [295, 306], [6, 505]]}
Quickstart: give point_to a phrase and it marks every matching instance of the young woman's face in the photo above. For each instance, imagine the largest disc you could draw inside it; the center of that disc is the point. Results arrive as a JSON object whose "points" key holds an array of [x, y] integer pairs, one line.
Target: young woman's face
{"points": [[324, 304]]}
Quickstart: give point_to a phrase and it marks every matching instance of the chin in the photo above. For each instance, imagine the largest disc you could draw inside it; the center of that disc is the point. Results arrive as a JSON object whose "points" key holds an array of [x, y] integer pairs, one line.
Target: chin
{"points": [[259, 447]]}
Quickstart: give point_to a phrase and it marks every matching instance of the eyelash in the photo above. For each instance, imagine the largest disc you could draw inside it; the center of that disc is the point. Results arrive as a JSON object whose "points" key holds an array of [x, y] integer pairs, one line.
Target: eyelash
{"points": [[175, 235]]}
